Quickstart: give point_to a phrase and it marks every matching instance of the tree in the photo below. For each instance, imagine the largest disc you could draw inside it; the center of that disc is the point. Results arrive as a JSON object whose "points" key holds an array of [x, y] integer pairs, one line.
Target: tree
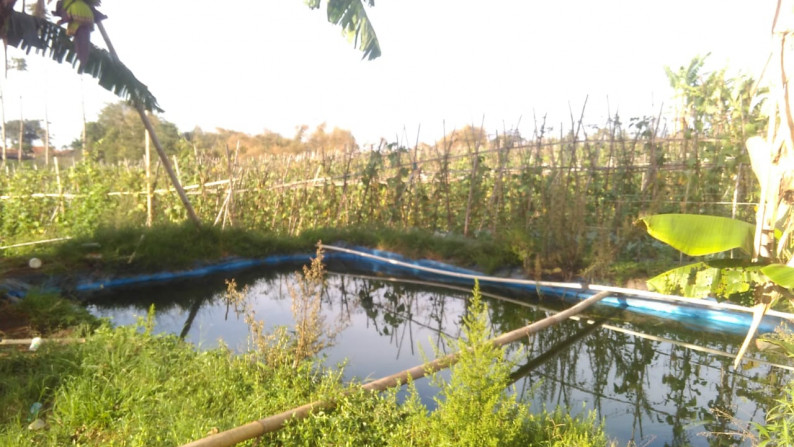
{"points": [[30, 131], [119, 134], [714, 104], [338, 140]]}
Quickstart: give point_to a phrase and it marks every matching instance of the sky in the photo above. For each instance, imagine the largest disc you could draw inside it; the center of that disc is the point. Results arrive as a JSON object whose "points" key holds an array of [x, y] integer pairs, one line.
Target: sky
{"points": [[254, 65]]}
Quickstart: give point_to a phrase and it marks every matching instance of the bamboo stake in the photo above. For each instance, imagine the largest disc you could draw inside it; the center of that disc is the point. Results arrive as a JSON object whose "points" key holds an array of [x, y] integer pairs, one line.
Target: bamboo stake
{"points": [[46, 136], [3, 126], [148, 125], [27, 341], [276, 422], [21, 131], [60, 186], [147, 161]]}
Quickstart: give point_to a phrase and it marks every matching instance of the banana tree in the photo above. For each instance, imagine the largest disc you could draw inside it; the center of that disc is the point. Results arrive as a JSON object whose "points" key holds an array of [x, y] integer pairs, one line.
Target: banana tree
{"points": [[766, 268], [765, 279]]}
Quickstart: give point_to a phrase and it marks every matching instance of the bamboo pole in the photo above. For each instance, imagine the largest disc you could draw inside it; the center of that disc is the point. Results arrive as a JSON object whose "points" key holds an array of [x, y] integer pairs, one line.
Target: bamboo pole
{"points": [[3, 125], [276, 422], [28, 341], [147, 161], [60, 186], [148, 125], [21, 131]]}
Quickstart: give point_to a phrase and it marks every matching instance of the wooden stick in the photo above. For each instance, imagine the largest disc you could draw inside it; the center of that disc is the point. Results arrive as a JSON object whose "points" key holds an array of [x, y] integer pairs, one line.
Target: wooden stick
{"points": [[27, 341], [60, 186]]}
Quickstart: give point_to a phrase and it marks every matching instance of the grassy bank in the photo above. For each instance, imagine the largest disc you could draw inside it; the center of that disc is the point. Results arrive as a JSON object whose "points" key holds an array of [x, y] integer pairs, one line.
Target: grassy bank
{"points": [[131, 250], [128, 386]]}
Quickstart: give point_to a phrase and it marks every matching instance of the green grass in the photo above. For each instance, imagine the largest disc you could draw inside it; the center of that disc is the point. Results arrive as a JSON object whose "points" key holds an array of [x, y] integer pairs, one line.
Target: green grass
{"points": [[169, 247]]}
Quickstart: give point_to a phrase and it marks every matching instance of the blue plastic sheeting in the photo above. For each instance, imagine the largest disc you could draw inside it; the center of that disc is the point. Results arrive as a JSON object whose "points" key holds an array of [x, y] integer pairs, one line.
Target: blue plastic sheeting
{"points": [[699, 315], [228, 266], [696, 315]]}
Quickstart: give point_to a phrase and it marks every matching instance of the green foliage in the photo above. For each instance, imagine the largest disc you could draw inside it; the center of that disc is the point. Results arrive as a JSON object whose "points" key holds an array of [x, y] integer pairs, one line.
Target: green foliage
{"points": [[474, 408], [31, 130], [567, 201], [779, 427], [715, 104], [49, 39], [731, 280], [128, 386], [782, 275], [118, 134]]}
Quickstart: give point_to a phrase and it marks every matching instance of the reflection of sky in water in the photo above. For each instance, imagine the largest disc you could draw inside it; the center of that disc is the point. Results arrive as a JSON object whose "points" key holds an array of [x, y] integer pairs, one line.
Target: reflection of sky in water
{"points": [[651, 392]]}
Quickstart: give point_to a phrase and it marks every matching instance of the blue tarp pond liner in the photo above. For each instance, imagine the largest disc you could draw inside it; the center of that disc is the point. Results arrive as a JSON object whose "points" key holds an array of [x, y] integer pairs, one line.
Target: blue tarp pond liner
{"points": [[705, 314]]}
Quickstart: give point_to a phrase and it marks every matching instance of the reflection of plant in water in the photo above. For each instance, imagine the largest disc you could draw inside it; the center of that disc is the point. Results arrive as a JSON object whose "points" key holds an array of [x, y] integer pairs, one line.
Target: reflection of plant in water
{"points": [[678, 381], [394, 310], [722, 426], [779, 428], [235, 299]]}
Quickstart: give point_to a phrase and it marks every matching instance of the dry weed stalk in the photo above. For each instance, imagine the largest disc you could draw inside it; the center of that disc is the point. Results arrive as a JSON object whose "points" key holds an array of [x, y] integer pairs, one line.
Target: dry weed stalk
{"points": [[312, 335]]}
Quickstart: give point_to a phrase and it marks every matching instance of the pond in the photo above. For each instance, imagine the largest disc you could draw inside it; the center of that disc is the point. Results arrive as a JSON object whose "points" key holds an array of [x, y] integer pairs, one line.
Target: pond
{"points": [[654, 382]]}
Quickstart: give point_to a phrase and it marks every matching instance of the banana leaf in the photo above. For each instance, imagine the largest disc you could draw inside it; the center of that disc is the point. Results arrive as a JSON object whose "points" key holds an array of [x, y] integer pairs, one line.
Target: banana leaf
{"points": [[32, 33], [722, 278], [698, 235], [780, 274], [356, 26]]}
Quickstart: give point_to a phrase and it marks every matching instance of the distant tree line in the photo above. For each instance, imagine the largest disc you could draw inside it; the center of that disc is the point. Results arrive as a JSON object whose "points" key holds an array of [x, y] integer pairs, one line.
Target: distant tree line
{"points": [[118, 134]]}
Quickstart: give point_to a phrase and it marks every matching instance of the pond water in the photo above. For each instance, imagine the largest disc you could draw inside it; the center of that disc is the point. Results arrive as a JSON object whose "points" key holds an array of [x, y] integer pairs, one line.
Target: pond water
{"points": [[655, 383]]}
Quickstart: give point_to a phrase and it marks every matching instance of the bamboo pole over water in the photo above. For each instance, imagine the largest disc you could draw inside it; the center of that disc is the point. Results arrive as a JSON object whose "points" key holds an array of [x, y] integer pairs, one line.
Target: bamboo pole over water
{"points": [[276, 422]]}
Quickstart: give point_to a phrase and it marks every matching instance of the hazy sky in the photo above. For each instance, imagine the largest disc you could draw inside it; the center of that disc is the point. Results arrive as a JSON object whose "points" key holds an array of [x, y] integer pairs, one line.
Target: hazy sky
{"points": [[254, 65]]}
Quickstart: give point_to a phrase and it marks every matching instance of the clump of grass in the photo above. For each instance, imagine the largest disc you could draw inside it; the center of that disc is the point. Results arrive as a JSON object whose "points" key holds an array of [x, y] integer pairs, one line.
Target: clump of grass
{"points": [[49, 312]]}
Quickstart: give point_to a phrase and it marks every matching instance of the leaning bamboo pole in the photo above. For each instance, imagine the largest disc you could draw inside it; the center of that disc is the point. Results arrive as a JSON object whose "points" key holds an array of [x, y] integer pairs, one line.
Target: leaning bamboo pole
{"points": [[276, 422]]}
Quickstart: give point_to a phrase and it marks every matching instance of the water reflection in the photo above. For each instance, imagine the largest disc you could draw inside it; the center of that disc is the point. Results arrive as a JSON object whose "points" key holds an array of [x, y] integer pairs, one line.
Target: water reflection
{"points": [[638, 373]]}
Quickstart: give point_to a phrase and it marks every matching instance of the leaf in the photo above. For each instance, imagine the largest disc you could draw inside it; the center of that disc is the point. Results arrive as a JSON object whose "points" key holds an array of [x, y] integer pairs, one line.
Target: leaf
{"points": [[32, 33], [682, 280], [698, 235], [780, 274], [723, 278], [355, 23]]}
